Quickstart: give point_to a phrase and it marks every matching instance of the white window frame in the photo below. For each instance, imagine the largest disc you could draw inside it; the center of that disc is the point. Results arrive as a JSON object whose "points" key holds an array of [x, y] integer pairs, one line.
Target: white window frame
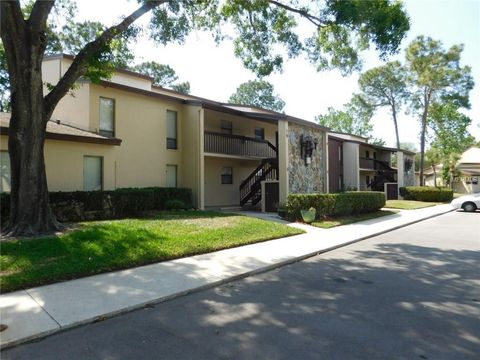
{"points": [[85, 157], [103, 131], [5, 172], [172, 166], [172, 142]]}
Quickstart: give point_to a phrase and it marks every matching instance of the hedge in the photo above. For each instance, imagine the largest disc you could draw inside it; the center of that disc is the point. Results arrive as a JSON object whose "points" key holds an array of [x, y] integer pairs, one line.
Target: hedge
{"points": [[98, 205], [346, 203], [426, 193]]}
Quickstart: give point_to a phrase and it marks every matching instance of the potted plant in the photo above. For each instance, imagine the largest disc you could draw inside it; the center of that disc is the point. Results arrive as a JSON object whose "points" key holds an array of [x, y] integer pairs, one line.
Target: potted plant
{"points": [[308, 216]]}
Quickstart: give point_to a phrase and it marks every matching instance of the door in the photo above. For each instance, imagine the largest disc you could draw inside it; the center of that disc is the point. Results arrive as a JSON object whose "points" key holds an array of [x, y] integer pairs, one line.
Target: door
{"points": [[271, 196]]}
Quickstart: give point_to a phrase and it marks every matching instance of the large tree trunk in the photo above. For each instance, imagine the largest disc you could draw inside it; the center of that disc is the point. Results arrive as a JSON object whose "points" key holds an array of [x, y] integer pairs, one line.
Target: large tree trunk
{"points": [[30, 211], [422, 145], [394, 115], [25, 42]]}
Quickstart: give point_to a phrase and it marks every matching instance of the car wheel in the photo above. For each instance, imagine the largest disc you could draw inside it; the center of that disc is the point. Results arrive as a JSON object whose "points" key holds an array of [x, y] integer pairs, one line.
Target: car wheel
{"points": [[469, 207]]}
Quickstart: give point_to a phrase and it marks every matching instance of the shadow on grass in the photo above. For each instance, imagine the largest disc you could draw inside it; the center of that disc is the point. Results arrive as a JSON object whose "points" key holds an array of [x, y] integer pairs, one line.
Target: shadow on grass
{"points": [[104, 246], [83, 252]]}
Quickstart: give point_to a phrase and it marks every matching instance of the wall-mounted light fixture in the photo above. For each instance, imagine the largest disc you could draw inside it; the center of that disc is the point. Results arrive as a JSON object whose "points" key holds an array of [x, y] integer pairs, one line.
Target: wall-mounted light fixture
{"points": [[408, 164], [307, 145]]}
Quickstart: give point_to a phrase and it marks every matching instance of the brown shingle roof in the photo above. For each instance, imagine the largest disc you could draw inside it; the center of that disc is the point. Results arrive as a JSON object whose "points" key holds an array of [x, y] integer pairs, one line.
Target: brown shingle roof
{"points": [[59, 131]]}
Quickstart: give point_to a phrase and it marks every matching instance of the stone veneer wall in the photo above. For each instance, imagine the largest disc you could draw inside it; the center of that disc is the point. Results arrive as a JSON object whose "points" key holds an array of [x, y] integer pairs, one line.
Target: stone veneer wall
{"points": [[409, 176], [305, 178]]}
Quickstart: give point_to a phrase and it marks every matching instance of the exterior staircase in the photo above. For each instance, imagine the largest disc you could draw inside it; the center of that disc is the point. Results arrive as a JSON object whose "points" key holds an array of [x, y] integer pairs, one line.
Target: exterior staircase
{"points": [[384, 174], [250, 188]]}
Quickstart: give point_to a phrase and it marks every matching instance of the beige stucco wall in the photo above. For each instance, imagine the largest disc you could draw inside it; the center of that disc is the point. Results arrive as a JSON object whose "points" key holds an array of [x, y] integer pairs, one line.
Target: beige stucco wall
{"points": [[74, 108], [64, 163], [351, 166], [140, 121], [241, 126], [142, 158], [192, 157], [218, 194]]}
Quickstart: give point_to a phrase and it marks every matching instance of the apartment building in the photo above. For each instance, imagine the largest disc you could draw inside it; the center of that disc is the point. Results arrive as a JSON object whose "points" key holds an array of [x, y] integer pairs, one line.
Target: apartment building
{"points": [[355, 164], [127, 132]]}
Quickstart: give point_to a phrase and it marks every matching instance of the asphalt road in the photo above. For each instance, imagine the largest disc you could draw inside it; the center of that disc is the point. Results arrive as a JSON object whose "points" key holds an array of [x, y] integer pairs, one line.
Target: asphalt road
{"points": [[413, 293]]}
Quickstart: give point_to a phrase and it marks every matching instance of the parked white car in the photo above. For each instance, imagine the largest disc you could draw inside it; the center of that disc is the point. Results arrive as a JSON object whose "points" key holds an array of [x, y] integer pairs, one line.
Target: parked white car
{"points": [[468, 203]]}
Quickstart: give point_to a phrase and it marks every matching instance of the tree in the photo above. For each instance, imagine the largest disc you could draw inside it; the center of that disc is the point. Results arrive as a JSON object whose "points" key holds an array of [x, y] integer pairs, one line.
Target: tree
{"points": [[163, 75], [435, 76], [341, 30], [409, 147], [257, 93], [4, 82], [386, 86], [433, 158], [354, 118], [451, 136]]}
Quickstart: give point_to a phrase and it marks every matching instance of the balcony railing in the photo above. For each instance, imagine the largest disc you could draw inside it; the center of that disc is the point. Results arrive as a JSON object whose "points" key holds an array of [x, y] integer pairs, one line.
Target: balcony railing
{"points": [[374, 164], [238, 145]]}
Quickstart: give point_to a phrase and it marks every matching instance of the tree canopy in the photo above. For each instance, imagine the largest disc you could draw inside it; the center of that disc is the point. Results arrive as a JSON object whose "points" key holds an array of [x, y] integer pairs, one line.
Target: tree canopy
{"points": [[386, 86], [354, 118], [163, 75], [435, 77], [257, 93]]}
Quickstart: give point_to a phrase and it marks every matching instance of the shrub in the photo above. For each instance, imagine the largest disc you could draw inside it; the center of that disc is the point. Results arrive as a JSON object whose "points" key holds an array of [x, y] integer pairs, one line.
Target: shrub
{"points": [[96, 205], [426, 193], [175, 205], [346, 203]]}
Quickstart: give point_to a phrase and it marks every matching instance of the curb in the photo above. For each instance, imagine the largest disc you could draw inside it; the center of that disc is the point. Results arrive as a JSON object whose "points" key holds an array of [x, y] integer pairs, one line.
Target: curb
{"points": [[261, 270]]}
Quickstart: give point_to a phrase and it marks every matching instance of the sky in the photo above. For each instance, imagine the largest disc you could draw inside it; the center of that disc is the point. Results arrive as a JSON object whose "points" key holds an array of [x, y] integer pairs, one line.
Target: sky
{"points": [[215, 73]]}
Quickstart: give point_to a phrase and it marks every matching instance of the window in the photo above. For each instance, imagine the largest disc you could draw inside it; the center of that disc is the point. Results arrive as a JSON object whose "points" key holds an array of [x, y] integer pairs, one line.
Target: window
{"points": [[367, 180], [4, 171], [107, 117], [171, 176], [227, 175], [171, 129], [260, 134], [226, 127], [367, 154], [92, 173]]}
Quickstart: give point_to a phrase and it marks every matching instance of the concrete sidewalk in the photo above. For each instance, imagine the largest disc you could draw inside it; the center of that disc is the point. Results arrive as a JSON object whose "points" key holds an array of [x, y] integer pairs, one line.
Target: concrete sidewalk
{"points": [[40, 311]]}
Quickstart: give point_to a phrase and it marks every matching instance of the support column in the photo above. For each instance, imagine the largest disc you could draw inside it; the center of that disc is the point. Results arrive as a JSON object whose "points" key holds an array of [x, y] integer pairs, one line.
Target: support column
{"points": [[201, 160], [400, 172], [283, 161]]}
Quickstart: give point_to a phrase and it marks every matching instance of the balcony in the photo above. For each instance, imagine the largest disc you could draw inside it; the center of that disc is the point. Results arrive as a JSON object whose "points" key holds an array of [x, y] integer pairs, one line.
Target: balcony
{"points": [[374, 164], [237, 145]]}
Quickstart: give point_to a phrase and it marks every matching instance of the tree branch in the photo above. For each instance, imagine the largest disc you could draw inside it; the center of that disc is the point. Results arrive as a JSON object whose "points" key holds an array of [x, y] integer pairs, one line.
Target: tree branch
{"points": [[38, 17], [12, 32], [318, 22], [78, 67], [10, 10]]}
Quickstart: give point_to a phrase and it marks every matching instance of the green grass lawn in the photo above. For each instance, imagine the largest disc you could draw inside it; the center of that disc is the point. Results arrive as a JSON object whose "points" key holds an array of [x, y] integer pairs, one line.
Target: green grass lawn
{"points": [[103, 246], [409, 204], [345, 220]]}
